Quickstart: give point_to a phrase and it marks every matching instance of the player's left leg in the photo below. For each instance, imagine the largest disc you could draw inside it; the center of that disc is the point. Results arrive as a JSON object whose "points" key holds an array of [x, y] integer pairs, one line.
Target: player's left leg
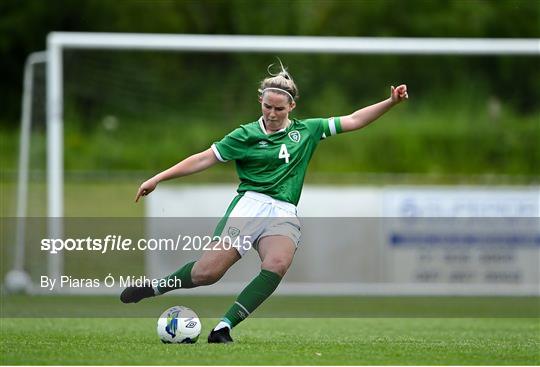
{"points": [[277, 253]]}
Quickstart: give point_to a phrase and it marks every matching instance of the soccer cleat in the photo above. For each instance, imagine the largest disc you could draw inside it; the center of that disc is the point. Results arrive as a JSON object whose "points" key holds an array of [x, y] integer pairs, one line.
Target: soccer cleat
{"points": [[135, 294], [220, 336]]}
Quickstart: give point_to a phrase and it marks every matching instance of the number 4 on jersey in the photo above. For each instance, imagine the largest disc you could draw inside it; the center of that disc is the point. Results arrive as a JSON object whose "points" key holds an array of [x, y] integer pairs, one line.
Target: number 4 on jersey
{"points": [[283, 153]]}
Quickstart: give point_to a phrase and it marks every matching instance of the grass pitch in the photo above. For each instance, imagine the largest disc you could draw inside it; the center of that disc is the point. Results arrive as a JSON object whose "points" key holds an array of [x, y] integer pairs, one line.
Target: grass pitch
{"points": [[276, 341], [270, 340]]}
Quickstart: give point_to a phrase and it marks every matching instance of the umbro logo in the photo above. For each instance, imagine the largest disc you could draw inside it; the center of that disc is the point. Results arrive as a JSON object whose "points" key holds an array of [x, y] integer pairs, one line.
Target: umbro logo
{"points": [[191, 324], [242, 314]]}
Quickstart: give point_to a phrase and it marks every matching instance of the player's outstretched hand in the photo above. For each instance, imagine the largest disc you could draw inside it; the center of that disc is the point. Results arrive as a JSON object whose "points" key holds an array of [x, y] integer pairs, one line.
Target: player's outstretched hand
{"points": [[146, 188], [399, 94]]}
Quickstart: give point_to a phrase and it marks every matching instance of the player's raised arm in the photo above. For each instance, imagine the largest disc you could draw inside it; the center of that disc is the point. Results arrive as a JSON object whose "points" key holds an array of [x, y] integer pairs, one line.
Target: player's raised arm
{"points": [[193, 164], [366, 115]]}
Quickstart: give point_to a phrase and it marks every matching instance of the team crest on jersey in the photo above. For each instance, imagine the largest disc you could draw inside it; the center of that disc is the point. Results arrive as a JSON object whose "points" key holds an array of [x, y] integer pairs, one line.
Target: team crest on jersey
{"points": [[233, 231], [295, 136]]}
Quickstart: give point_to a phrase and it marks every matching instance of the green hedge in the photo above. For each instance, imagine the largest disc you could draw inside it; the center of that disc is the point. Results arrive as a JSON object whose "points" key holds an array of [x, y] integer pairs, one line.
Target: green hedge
{"points": [[461, 137]]}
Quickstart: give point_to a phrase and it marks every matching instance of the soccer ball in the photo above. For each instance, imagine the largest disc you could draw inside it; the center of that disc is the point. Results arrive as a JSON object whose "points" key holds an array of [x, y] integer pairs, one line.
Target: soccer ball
{"points": [[179, 324]]}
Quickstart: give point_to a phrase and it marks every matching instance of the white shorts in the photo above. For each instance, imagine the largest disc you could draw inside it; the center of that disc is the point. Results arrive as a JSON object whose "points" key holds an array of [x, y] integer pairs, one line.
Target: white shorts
{"points": [[252, 216]]}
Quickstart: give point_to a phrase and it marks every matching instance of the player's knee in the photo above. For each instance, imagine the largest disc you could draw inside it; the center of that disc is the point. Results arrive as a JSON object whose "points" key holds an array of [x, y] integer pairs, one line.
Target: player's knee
{"points": [[205, 275], [276, 265]]}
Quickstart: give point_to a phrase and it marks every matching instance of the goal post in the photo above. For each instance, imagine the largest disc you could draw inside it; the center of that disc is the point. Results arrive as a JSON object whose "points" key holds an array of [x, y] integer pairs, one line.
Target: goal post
{"points": [[58, 41], [17, 279]]}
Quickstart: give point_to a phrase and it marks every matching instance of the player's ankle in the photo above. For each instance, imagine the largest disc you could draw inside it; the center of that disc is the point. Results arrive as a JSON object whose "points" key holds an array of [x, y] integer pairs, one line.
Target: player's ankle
{"points": [[222, 324]]}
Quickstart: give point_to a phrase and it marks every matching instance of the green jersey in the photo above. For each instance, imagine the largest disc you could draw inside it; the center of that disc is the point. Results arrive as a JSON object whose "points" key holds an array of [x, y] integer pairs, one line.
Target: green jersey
{"points": [[275, 164]]}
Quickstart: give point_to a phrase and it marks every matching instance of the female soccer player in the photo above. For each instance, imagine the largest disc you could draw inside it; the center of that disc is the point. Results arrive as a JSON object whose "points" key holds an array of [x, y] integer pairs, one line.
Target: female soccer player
{"points": [[271, 155]]}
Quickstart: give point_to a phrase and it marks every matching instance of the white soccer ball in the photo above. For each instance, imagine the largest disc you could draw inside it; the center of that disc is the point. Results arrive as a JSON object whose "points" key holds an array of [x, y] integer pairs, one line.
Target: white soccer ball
{"points": [[18, 281], [179, 324]]}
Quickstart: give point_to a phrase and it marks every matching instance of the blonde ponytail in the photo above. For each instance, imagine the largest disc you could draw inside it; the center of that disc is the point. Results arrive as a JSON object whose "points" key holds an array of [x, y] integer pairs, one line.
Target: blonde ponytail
{"points": [[282, 82]]}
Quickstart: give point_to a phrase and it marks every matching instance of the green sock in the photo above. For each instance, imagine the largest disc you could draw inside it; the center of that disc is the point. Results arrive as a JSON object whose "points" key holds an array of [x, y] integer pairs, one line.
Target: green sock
{"points": [[183, 275], [252, 296]]}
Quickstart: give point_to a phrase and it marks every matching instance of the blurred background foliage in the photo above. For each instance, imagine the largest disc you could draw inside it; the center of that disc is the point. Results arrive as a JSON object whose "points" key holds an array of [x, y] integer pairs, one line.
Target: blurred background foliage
{"points": [[142, 111]]}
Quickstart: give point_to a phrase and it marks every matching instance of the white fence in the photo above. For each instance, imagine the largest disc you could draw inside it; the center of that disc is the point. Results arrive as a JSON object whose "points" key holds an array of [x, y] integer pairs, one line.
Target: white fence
{"points": [[389, 240]]}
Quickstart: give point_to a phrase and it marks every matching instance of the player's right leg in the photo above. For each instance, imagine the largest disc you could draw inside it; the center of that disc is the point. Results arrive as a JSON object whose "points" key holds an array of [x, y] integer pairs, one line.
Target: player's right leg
{"points": [[207, 270]]}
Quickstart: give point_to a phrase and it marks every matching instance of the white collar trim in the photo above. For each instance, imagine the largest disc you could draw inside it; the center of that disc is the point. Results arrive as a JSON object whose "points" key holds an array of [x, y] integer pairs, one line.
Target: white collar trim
{"points": [[261, 124]]}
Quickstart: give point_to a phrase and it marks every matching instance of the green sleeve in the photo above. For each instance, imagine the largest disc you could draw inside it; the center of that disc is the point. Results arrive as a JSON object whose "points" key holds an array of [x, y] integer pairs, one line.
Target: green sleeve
{"points": [[232, 146], [322, 128], [331, 126]]}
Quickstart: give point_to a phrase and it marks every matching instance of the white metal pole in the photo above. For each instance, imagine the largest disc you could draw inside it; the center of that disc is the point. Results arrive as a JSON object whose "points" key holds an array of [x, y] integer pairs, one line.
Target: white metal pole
{"points": [[300, 44], [17, 278], [24, 155], [55, 160]]}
